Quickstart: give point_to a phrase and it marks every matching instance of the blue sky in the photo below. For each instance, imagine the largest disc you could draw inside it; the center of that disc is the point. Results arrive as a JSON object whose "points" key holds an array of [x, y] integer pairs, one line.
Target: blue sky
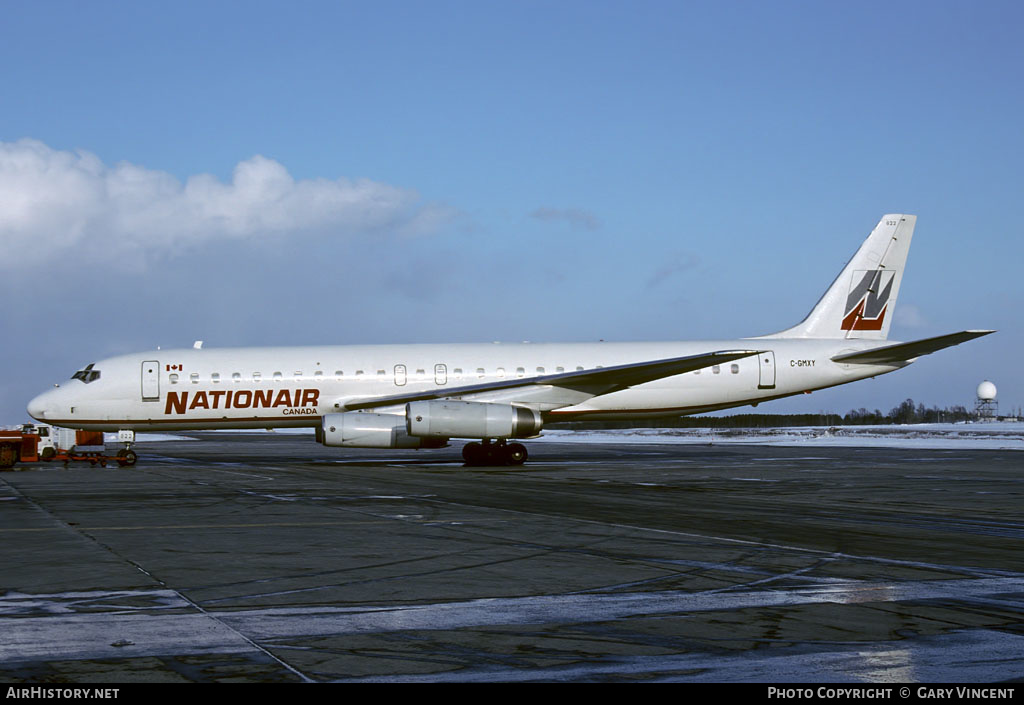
{"points": [[474, 171]]}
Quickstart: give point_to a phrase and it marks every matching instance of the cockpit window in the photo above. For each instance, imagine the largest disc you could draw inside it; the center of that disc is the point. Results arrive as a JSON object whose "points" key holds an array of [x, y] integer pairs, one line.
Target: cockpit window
{"points": [[88, 374]]}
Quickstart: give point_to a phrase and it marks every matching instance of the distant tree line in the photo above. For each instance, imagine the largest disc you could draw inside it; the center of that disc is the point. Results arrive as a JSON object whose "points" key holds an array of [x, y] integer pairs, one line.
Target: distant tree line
{"points": [[904, 413], [907, 412]]}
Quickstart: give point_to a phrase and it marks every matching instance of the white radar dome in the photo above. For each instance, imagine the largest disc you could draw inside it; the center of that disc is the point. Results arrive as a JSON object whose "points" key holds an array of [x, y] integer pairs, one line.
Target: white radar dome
{"points": [[986, 391]]}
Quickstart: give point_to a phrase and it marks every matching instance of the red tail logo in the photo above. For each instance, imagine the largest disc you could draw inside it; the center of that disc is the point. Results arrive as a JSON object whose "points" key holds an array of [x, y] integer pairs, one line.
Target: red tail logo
{"points": [[868, 300]]}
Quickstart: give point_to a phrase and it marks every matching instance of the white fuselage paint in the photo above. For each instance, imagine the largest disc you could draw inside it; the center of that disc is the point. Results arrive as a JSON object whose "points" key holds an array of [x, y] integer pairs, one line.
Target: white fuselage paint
{"points": [[252, 388]]}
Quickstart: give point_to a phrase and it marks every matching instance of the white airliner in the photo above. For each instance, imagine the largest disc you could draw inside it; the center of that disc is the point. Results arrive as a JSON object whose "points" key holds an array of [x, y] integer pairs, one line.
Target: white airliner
{"points": [[419, 396]]}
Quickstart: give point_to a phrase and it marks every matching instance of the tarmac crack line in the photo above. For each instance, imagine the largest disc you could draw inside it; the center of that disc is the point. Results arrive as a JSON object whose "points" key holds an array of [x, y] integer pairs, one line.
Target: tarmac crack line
{"points": [[967, 570], [198, 608]]}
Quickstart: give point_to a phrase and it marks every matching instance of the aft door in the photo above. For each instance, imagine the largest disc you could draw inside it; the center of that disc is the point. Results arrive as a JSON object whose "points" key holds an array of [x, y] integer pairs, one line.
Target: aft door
{"points": [[767, 363], [150, 380]]}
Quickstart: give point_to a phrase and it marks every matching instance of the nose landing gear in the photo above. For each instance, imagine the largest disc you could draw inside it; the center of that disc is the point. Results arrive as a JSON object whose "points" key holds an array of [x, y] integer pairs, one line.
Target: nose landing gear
{"points": [[126, 457], [500, 452]]}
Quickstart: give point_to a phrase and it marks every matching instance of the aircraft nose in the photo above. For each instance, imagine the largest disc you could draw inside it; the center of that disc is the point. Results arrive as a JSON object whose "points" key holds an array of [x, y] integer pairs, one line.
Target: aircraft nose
{"points": [[38, 407]]}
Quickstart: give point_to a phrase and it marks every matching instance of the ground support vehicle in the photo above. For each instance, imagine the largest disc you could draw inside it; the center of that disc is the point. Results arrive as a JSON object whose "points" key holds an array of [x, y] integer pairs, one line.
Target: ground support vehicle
{"points": [[34, 443]]}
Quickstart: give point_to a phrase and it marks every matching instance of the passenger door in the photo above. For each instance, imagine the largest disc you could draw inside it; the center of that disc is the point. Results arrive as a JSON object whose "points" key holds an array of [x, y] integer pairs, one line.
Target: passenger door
{"points": [[150, 380], [767, 371]]}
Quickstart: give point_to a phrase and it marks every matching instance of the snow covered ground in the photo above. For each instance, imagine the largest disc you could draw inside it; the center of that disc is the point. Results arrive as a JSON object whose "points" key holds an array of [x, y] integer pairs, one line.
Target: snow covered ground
{"points": [[149, 437], [991, 436]]}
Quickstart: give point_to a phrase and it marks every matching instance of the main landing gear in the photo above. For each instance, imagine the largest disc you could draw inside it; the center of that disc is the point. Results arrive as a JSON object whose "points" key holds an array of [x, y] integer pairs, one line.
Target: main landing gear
{"points": [[497, 453]]}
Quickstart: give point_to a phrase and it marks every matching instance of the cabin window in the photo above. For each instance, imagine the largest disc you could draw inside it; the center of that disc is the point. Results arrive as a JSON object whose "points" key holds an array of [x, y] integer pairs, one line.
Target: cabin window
{"points": [[381, 373], [215, 377], [194, 377], [338, 374], [734, 368], [173, 378], [520, 372], [540, 370], [480, 372], [578, 368], [318, 373], [278, 377], [236, 377], [559, 369], [257, 376], [298, 374], [421, 373], [696, 372], [359, 373], [457, 372], [716, 369]]}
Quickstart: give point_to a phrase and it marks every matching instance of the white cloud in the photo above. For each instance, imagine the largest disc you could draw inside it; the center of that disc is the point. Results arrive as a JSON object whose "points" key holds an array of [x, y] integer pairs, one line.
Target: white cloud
{"points": [[910, 316], [573, 216], [70, 204], [673, 264]]}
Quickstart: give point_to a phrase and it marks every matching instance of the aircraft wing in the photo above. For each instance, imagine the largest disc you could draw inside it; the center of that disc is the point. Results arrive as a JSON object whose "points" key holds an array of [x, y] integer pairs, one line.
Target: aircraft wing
{"points": [[564, 388], [902, 352]]}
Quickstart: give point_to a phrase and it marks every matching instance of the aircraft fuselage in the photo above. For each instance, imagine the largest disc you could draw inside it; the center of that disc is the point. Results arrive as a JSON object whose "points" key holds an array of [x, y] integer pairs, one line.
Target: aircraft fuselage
{"points": [[251, 388]]}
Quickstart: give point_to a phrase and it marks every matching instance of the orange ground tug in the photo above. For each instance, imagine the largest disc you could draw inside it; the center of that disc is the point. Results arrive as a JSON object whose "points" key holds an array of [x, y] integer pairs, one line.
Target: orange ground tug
{"points": [[34, 443]]}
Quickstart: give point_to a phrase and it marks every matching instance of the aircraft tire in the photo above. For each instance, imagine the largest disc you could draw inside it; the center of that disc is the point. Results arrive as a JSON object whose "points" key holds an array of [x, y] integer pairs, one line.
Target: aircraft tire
{"points": [[479, 454], [473, 453], [126, 457], [515, 454]]}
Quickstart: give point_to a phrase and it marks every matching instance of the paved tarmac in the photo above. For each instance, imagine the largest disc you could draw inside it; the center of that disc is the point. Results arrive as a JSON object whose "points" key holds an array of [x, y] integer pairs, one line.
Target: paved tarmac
{"points": [[271, 558]]}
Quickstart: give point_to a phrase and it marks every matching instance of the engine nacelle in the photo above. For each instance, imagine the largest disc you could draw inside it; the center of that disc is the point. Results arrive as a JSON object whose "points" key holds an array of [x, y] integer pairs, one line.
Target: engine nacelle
{"points": [[470, 419], [357, 429]]}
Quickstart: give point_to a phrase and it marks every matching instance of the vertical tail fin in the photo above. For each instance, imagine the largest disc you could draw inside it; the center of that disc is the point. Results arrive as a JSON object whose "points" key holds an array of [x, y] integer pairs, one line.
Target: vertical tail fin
{"points": [[861, 301]]}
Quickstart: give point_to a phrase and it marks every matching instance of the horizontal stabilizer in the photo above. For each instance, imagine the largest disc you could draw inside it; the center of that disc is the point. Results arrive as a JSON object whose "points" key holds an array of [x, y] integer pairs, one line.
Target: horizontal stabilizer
{"points": [[901, 352], [595, 381]]}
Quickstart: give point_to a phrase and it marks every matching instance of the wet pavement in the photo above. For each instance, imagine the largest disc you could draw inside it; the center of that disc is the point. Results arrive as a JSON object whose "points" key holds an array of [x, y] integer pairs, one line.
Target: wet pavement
{"points": [[270, 558]]}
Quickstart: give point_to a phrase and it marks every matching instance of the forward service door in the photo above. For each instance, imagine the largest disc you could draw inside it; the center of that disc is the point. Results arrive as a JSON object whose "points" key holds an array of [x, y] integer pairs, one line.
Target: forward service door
{"points": [[150, 380]]}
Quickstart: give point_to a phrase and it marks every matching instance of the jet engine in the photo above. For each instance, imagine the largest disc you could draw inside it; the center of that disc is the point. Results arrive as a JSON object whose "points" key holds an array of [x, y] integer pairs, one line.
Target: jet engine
{"points": [[358, 429], [470, 419]]}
